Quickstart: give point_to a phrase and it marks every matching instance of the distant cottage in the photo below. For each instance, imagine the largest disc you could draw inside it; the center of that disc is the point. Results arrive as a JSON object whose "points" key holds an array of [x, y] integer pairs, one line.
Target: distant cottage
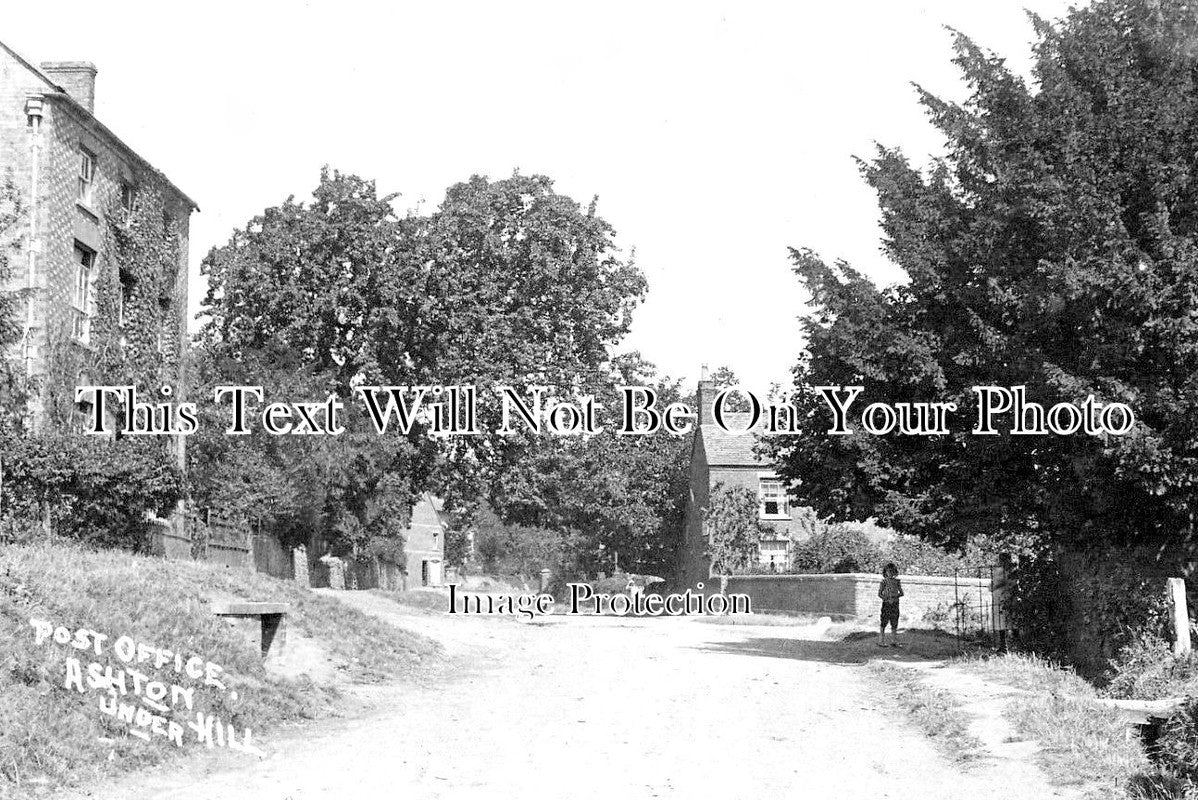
{"points": [[719, 457], [423, 562], [424, 545]]}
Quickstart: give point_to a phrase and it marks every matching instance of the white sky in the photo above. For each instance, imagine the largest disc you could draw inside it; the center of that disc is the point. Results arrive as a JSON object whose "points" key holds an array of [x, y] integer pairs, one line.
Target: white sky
{"points": [[716, 135]]}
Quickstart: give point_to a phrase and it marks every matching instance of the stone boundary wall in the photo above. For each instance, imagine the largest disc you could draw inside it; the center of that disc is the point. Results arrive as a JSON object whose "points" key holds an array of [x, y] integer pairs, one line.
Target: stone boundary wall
{"points": [[854, 596]]}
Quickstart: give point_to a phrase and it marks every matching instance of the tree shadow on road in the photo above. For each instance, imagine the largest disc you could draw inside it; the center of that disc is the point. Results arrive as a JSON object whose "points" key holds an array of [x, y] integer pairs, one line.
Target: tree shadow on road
{"points": [[856, 648]]}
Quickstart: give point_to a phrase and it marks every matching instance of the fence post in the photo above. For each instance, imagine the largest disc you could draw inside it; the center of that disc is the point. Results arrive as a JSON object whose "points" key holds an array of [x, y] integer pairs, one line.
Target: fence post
{"points": [[957, 608], [1180, 616], [250, 536]]}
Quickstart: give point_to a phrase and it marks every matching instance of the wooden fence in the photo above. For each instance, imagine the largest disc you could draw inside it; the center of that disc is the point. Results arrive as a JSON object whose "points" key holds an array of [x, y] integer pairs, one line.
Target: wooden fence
{"points": [[271, 558], [166, 542], [221, 539]]}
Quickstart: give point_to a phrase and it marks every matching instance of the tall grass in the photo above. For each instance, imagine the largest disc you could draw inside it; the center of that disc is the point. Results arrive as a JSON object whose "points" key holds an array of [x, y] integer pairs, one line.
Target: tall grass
{"points": [[1029, 672], [1080, 741]]}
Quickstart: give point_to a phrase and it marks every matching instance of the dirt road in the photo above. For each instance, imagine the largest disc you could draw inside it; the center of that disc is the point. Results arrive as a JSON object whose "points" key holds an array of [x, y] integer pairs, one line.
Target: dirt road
{"points": [[569, 707]]}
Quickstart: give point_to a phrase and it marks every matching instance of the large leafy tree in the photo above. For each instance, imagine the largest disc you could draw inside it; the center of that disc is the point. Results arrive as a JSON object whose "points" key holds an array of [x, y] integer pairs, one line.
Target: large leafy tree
{"points": [[508, 282], [1053, 246], [522, 285], [321, 279], [295, 304]]}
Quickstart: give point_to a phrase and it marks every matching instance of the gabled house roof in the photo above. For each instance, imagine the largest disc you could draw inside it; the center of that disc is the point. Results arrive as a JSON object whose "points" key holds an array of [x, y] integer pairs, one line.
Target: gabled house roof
{"points": [[58, 94], [724, 449]]}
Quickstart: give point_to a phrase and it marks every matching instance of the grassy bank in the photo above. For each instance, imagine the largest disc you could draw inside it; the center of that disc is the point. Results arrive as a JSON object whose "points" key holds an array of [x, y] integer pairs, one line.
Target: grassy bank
{"points": [[1080, 741], [51, 735]]}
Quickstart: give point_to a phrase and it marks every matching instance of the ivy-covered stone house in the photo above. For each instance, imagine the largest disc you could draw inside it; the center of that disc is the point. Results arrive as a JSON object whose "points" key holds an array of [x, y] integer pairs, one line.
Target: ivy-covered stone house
{"points": [[100, 255], [720, 457]]}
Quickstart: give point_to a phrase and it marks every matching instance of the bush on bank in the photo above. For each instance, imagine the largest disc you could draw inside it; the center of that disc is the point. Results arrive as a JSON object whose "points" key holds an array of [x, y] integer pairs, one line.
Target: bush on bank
{"points": [[96, 491], [860, 547]]}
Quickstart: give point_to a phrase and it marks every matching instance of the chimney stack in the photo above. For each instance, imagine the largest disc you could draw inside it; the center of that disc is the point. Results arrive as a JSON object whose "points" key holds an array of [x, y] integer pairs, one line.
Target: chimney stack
{"points": [[704, 397], [77, 78]]}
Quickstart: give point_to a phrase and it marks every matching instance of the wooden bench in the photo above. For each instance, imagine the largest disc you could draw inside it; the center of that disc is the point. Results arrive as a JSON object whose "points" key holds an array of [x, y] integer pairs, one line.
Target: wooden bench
{"points": [[1144, 712], [264, 621], [1143, 718]]}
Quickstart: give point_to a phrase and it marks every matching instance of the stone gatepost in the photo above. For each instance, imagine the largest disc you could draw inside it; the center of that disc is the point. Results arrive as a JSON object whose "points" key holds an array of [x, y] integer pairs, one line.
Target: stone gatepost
{"points": [[336, 573], [299, 561]]}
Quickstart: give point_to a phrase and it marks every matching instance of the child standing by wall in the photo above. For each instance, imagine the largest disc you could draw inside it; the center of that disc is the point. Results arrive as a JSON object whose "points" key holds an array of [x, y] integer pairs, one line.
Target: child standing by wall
{"points": [[890, 591]]}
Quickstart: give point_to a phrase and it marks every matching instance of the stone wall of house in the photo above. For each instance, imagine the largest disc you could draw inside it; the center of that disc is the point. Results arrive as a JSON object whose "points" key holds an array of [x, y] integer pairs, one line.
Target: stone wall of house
{"points": [[750, 478], [694, 565], [61, 218], [65, 129], [854, 595]]}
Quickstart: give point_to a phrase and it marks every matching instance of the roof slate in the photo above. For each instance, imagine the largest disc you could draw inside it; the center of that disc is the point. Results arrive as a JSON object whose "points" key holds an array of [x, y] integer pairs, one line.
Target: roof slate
{"points": [[723, 449]]}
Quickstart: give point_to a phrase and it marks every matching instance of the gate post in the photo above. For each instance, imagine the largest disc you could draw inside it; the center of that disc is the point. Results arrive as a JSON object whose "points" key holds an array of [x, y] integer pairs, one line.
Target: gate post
{"points": [[1180, 616]]}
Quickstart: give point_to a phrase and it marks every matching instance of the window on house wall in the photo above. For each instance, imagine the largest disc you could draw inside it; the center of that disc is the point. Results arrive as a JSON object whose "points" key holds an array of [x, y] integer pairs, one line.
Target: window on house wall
{"points": [[128, 197], [87, 175], [81, 420], [85, 261], [774, 502], [124, 298]]}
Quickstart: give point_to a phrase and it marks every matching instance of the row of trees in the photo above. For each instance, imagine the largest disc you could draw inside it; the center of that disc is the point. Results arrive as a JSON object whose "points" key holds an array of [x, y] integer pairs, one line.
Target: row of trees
{"points": [[507, 282]]}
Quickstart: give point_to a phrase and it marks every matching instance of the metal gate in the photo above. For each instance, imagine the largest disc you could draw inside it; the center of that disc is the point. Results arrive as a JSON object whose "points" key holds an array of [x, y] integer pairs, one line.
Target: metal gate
{"points": [[980, 606]]}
